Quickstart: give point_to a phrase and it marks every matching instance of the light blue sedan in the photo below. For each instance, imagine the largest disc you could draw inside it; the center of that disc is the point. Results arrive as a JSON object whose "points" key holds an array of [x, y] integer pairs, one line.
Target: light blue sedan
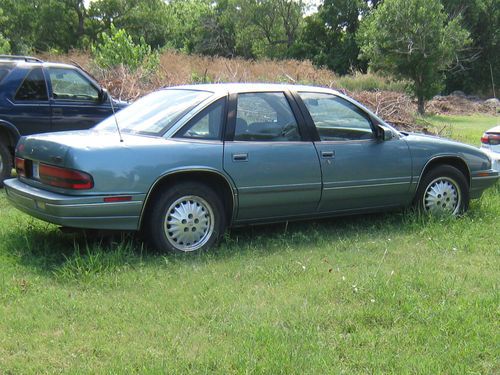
{"points": [[182, 164]]}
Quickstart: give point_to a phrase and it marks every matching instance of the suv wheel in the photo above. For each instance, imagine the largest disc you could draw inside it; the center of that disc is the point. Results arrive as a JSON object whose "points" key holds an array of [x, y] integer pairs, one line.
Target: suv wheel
{"points": [[5, 163], [189, 217]]}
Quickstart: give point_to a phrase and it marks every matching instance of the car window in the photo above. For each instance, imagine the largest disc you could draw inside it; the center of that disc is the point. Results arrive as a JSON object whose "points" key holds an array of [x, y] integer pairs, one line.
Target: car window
{"points": [[67, 84], [335, 118], [208, 125], [265, 117], [33, 87]]}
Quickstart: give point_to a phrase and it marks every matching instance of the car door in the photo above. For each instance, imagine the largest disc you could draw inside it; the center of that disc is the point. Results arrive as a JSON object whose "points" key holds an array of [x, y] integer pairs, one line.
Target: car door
{"points": [[360, 170], [268, 156], [75, 100], [30, 111]]}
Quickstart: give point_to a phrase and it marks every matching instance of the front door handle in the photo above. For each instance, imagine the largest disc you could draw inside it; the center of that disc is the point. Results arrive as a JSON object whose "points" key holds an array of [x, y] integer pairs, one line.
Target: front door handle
{"points": [[328, 154], [240, 157], [57, 111]]}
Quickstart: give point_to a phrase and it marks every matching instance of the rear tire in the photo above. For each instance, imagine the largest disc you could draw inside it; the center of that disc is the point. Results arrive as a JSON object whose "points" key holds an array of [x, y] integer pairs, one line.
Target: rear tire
{"points": [[443, 191], [189, 217], [5, 163]]}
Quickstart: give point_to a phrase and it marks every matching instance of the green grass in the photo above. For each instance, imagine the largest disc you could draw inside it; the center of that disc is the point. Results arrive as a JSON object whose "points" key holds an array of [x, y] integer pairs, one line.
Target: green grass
{"points": [[467, 129], [392, 293]]}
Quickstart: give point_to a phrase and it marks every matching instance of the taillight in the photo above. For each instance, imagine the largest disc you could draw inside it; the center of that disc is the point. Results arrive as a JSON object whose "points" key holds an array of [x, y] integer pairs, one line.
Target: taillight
{"points": [[20, 167], [490, 139], [65, 178]]}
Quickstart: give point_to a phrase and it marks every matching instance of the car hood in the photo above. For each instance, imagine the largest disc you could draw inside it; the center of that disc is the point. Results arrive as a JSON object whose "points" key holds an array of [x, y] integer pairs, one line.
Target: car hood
{"points": [[423, 147]]}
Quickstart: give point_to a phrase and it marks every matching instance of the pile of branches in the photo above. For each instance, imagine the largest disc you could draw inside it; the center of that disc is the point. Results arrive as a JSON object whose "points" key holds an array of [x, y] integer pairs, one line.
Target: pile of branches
{"points": [[394, 107]]}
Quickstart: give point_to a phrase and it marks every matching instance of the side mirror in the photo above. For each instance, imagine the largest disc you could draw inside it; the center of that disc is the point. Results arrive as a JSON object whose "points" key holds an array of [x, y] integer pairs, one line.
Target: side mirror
{"points": [[103, 95], [385, 134]]}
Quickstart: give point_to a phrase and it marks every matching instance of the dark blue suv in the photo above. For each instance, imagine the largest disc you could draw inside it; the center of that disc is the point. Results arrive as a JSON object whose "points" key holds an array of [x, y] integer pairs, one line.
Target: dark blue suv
{"points": [[39, 97]]}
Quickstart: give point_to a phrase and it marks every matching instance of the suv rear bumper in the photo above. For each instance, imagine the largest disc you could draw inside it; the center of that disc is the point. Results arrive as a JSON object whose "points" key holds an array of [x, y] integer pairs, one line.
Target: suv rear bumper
{"points": [[89, 212]]}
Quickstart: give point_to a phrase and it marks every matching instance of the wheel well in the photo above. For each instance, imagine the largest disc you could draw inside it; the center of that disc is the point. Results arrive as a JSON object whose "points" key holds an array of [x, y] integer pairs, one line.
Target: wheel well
{"points": [[7, 139], [453, 161], [217, 182]]}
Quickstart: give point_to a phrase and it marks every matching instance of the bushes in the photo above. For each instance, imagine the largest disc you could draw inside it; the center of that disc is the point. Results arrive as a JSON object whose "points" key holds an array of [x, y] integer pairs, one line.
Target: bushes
{"points": [[118, 49]]}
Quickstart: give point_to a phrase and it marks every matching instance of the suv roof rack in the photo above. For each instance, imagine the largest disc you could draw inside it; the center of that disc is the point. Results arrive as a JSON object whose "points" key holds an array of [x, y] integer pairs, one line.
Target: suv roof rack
{"points": [[22, 58]]}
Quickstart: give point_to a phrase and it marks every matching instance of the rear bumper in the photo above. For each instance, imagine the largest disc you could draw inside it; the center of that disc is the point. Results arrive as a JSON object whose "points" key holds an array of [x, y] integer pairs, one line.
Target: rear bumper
{"points": [[74, 211], [481, 181]]}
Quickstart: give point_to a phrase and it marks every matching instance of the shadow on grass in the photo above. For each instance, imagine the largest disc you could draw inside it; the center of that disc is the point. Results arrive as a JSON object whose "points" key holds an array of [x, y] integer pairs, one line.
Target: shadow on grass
{"points": [[48, 251]]}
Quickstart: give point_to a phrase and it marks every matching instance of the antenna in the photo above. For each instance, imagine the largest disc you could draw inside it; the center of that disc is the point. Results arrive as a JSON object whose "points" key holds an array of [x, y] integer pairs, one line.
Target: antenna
{"points": [[114, 116]]}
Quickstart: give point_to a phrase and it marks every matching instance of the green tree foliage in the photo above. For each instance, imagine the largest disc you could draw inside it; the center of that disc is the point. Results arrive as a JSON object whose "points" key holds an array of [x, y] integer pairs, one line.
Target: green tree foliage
{"points": [[328, 38], [43, 24], [414, 40], [480, 62], [147, 19], [118, 48]]}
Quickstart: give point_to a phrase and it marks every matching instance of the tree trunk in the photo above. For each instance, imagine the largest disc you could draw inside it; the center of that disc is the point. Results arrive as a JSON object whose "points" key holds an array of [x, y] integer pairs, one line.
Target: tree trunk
{"points": [[421, 104]]}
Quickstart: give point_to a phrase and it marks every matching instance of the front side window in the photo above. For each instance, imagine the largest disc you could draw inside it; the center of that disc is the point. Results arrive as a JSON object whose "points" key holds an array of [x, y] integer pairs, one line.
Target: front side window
{"points": [[207, 125], [335, 118], [33, 87], [265, 117], [68, 84], [155, 113]]}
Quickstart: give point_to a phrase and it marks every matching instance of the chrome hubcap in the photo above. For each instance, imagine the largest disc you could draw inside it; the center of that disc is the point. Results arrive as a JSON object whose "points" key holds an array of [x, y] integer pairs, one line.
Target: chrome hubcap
{"points": [[442, 197], [189, 223]]}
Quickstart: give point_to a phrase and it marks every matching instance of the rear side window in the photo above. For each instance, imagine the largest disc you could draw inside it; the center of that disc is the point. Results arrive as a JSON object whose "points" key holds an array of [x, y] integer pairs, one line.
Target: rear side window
{"points": [[33, 87], [207, 125]]}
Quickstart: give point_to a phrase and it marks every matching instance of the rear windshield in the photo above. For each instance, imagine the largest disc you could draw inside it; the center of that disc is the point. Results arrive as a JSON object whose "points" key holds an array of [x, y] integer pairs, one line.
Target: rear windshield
{"points": [[5, 68], [155, 113]]}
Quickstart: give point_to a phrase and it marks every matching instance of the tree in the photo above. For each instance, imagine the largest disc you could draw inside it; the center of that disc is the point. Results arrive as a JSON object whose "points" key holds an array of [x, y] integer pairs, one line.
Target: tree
{"points": [[479, 63], [414, 40], [328, 36]]}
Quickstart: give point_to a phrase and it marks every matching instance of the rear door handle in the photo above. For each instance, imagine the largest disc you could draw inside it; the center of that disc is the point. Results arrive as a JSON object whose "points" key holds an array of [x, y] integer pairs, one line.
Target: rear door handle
{"points": [[57, 111], [240, 157], [327, 154]]}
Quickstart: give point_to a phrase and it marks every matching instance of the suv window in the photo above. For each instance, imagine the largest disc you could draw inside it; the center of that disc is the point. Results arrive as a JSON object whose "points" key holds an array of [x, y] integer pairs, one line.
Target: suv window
{"points": [[33, 87], [67, 84], [207, 125], [265, 117], [335, 118]]}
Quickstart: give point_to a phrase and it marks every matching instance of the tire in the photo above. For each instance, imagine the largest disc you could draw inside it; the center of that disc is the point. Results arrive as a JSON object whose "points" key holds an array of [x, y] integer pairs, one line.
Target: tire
{"points": [[5, 163], [443, 191], [189, 217]]}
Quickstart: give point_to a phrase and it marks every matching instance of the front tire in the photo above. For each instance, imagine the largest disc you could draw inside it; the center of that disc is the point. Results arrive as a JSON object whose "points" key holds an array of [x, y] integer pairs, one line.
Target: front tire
{"points": [[188, 217], [443, 191], [5, 163]]}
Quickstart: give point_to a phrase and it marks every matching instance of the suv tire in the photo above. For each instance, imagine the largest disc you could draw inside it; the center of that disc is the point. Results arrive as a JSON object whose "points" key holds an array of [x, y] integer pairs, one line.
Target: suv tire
{"points": [[5, 163]]}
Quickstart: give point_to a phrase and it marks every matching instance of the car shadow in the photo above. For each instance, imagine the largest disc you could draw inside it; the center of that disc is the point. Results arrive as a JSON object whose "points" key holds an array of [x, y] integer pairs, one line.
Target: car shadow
{"points": [[49, 251]]}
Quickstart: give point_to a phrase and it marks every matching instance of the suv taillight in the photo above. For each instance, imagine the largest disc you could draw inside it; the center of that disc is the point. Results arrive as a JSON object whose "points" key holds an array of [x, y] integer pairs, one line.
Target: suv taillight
{"points": [[20, 167], [65, 178], [490, 139]]}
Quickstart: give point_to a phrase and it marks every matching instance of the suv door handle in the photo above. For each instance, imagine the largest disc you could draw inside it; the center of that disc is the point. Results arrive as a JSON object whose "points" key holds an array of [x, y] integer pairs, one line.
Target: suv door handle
{"points": [[240, 157], [57, 111], [327, 154]]}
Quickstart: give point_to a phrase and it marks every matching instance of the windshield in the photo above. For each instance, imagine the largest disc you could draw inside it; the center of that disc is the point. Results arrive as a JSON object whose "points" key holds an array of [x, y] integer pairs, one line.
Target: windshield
{"points": [[155, 113]]}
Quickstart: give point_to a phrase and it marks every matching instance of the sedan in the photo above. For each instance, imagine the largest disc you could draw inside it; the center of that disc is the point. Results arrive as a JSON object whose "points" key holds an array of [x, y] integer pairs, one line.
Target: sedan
{"points": [[184, 163]]}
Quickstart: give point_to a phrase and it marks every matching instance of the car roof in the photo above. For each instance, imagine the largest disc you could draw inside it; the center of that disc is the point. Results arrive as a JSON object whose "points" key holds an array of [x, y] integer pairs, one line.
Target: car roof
{"points": [[32, 61], [234, 88]]}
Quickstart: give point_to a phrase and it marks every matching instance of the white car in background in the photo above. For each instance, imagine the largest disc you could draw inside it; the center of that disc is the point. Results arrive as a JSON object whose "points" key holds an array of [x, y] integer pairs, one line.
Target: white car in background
{"points": [[490, 143]]}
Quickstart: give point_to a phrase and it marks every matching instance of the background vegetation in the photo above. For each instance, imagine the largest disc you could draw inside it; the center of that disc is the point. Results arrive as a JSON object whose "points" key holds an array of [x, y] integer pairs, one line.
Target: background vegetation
{"points": [[254, 29]]}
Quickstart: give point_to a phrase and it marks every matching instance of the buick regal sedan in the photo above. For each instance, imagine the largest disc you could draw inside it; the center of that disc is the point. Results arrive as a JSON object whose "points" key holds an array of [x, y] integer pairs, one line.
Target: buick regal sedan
{"points": [[182, 164]]}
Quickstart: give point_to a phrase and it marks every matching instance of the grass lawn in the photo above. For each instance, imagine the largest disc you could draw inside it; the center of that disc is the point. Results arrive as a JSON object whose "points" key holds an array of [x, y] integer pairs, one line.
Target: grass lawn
{"points": [[392, 293]]}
